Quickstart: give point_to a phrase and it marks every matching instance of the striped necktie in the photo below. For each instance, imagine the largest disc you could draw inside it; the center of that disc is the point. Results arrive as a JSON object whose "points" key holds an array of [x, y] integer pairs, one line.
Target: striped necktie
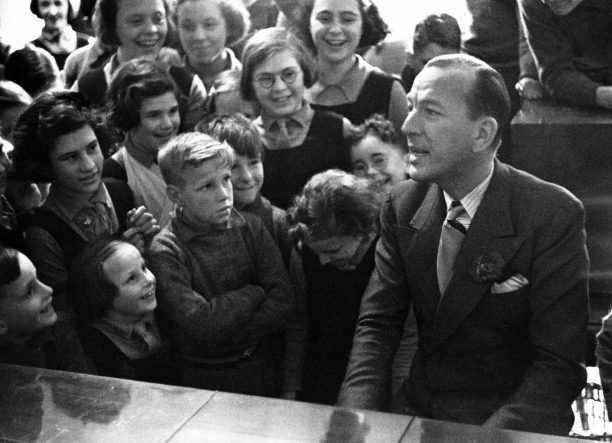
{"points": [[451, 238]]}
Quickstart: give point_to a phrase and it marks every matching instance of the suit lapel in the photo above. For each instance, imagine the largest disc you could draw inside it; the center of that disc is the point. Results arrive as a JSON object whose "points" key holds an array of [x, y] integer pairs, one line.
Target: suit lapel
{"points": [[421, 251], [490, 230]]}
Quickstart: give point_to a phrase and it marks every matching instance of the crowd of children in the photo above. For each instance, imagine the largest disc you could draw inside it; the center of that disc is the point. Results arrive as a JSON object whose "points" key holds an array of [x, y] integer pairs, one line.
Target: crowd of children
{"points": [[211, 221]]}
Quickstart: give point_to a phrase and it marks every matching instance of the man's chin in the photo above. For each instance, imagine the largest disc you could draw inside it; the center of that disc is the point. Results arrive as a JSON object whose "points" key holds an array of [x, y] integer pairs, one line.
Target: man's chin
{"points": [[417, 174]]}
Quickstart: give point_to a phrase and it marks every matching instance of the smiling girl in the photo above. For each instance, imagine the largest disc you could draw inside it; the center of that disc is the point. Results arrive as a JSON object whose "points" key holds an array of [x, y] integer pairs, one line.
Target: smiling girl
{"points": [[144, 108], [378, 153], [114, 296], [298, 141], [206, 28], [140, 28], [347, 84]]}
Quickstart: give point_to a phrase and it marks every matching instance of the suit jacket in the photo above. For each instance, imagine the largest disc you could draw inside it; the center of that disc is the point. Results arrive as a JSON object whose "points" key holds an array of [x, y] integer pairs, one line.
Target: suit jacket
{"points": [[511, 360]]}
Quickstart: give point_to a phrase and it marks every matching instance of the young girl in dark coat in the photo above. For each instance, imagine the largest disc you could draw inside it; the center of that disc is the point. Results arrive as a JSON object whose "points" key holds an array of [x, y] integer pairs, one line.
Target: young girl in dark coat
{"points": [[113, 293], [334, 222]]}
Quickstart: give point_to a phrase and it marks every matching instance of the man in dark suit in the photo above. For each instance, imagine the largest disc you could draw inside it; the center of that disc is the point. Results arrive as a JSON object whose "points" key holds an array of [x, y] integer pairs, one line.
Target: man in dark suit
{"points": [[493, 261]]}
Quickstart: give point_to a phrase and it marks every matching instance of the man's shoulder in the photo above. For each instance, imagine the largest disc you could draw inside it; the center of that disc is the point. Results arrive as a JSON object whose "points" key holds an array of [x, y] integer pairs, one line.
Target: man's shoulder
{"points": [[526, 189]]}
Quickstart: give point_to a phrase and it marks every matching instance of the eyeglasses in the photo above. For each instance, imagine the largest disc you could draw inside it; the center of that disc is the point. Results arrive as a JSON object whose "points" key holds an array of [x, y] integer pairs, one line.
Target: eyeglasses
{"points": [[288, 76]]}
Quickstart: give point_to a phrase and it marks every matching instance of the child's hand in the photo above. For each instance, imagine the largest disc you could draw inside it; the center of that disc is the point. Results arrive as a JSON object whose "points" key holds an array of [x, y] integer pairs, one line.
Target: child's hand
{"points": [[134, 237], [142, 221], [603, 96]]}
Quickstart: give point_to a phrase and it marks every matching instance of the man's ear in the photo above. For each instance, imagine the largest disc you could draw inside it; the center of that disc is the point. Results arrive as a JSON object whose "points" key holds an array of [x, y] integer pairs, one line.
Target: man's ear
{"points": [[484, 133], [174, 194], [3, 327]]}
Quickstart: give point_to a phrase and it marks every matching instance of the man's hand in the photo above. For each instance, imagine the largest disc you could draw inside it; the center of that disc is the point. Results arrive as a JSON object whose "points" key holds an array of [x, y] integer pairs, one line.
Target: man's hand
{"points": [[603, 96], [530, 88]]}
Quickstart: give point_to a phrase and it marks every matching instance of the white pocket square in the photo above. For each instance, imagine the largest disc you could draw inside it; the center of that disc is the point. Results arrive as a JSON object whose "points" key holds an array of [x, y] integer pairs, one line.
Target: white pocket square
{"points": [[514, 283]]}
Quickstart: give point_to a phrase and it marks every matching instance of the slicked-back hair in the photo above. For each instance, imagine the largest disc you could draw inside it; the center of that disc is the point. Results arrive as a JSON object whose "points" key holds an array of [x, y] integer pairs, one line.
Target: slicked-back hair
{"points": [[236, 16], [237, 130], [334, 203], [266, 43], [373, 28], [50, 116], [107, 23], [191, 149], [135, 81], [488, 95], [441, 29], [91, 291]]}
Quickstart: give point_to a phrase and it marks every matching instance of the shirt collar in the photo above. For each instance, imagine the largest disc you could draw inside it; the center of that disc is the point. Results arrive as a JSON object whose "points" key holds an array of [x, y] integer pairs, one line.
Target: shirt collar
{"points": [[349, 85], [70, 206], [124, 329], [303, 117], [187, 231], [472, 200], [138, 339], [59, 39]]}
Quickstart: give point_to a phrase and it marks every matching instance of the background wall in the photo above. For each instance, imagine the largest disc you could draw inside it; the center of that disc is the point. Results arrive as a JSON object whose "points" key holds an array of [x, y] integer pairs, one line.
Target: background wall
{"points": [[17, 24]]}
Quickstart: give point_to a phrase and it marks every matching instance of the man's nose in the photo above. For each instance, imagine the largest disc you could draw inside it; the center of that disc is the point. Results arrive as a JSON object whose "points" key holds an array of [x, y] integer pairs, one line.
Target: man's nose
{"points": [[410, 124]]}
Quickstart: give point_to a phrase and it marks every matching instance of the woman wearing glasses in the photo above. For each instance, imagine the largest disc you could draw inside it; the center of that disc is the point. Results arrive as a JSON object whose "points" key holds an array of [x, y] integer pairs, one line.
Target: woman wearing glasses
{"points": [[298, 141]]}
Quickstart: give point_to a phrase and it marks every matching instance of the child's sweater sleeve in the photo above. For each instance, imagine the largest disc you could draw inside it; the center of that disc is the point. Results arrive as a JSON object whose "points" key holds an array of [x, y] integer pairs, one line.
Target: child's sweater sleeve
{"points": [[272, 277], [210, 322]]}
